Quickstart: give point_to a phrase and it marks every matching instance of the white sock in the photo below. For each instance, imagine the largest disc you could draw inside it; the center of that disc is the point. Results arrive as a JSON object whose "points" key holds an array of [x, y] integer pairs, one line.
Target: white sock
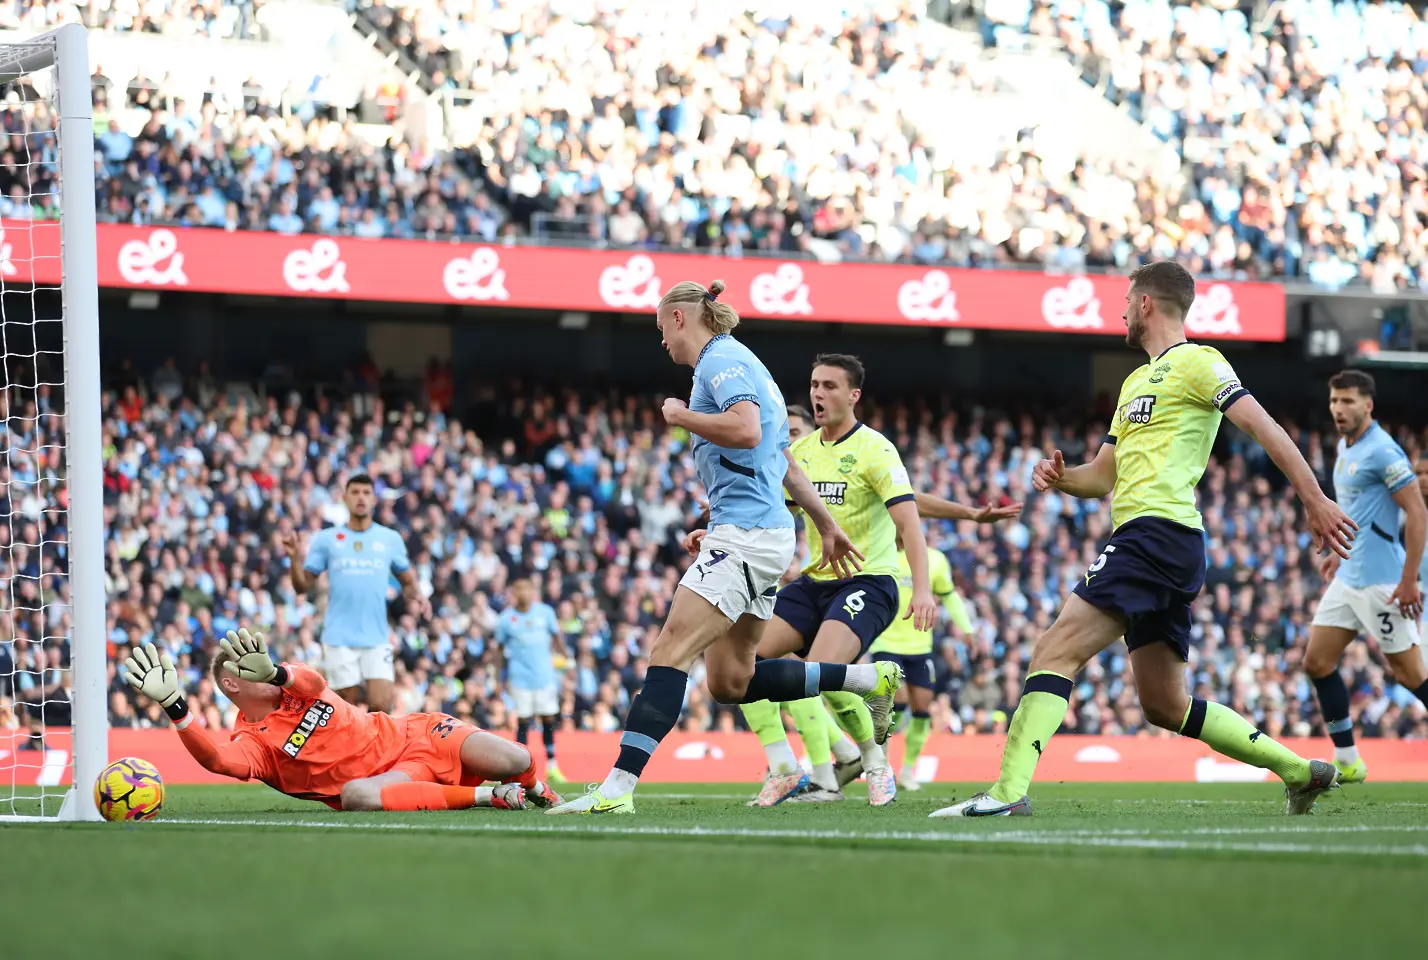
{"points": [[824, 776], [782, 762], [843, 750], [1345, 755], [873, 756], [618, 783], [860, 678]]}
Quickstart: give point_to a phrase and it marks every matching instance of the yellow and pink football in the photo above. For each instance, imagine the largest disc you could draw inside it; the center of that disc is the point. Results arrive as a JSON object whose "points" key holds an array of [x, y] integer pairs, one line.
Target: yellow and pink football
{"points": [[129, 789]]}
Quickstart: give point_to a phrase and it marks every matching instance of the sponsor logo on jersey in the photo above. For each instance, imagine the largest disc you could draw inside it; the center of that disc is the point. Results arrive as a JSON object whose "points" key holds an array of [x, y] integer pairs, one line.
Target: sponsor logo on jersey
{"points": [[1140, 409], [316, 717], [832, 491], [735, 371]]}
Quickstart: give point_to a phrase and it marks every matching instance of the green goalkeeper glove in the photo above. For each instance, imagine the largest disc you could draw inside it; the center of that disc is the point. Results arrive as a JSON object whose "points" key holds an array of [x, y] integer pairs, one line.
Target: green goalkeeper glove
{"points": [[153, 674], [248, 657]]}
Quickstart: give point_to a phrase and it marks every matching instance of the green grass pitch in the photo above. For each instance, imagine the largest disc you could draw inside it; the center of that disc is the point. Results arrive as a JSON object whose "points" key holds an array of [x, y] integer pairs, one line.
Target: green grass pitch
{"points": [[1101, 870]]}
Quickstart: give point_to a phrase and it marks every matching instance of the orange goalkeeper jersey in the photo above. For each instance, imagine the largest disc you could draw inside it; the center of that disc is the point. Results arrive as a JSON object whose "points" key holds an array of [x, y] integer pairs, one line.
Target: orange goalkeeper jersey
{"points": [[311, 745]]}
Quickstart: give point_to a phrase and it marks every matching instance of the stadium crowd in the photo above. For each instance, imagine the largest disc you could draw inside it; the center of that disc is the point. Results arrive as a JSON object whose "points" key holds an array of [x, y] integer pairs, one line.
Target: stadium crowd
{"points": [[588, 494], [688, 125]]}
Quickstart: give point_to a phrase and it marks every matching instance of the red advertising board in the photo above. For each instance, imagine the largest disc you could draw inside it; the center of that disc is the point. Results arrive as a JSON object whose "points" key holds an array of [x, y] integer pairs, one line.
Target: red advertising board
{"points": [[418, 271], [738, 758]]}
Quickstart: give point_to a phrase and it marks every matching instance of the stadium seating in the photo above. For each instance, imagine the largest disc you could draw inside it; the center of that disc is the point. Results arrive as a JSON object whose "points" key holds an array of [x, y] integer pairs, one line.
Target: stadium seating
{"points": [[585, 494]]}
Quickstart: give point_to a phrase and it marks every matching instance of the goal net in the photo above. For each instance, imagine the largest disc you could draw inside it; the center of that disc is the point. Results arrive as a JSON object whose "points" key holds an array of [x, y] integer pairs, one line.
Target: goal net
{"points": [[53, 725]]}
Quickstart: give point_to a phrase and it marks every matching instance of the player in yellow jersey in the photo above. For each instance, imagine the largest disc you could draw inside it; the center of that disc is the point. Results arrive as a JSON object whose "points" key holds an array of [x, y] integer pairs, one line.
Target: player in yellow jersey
{"points": [[1142, 585], [904, 644]]}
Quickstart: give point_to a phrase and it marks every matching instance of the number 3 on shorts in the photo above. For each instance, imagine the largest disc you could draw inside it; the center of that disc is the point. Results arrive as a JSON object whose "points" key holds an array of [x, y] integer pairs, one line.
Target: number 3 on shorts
{"points": [[1095, 568]]}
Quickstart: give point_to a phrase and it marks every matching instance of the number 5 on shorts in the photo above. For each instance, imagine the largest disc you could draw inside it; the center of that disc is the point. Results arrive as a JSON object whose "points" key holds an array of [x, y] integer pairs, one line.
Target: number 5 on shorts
{"points": [[1095, 568]]}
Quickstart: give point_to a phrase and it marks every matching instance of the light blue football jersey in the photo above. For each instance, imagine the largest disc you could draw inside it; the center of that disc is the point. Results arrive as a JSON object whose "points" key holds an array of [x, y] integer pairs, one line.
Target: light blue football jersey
{"points": [[1367, 474], [526, 639], [359, 566], [745, 487]]}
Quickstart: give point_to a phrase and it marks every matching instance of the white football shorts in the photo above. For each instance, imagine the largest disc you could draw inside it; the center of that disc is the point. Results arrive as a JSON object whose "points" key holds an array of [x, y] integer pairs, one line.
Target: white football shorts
{"points": [[349, 666], [739, 570], [544, 702], [1367, 610]]}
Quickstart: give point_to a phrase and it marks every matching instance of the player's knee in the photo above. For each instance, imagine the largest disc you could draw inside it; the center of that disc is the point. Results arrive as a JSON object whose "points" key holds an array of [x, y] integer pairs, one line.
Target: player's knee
{"points": [[1164, 712], [1319, 663], [1051, 653], [729, 686], [361, 795]]}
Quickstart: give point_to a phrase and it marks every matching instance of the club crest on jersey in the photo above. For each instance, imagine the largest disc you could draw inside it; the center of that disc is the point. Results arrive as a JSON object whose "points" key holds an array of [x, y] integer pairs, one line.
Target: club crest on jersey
{"points": [[1160, 372], [316, 716], [832, 491], [1140, 409], [846, 464], [357, 546]]}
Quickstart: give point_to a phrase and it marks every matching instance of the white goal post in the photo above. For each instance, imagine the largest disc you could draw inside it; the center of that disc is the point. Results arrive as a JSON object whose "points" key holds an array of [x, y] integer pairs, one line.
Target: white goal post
{"points": [[54, 497]]}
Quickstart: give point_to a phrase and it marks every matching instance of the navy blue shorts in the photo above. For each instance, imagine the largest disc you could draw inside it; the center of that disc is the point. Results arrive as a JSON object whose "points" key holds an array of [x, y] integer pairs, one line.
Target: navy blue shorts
{"points": [[867, 604], [1150, 573], [916, 667]]}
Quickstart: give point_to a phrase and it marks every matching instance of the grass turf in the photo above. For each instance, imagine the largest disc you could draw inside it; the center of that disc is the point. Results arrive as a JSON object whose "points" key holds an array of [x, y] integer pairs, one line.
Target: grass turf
{"points": [[1102, 870]]}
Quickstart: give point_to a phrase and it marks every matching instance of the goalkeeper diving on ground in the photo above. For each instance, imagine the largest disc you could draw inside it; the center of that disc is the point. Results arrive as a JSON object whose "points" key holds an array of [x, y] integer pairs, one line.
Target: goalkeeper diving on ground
{"points": [[294, 733]]}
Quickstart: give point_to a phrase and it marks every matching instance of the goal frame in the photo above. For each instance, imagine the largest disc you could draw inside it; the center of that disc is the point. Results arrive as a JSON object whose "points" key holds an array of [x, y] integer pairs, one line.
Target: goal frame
{"points": [[66, 48]]}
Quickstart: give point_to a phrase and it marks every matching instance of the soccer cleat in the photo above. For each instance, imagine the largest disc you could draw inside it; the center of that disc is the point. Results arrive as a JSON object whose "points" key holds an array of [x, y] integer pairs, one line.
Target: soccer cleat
{"points": [[1356, 772], [541, 795], [552, 772], [848, 772], [778, 787], [882, 787], [816, 794], [880, 699], [508, 796], [595, 802], [1323, 776], [907, 780], [985, 805]]}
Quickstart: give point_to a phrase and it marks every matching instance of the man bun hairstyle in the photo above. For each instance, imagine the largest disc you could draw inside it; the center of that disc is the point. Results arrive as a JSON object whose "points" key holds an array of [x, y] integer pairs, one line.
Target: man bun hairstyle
{"points": [[718, 317]]}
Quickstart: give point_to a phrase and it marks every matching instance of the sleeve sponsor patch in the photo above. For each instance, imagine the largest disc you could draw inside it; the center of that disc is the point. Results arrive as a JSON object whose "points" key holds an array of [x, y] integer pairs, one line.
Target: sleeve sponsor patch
{"points": [[898, 475], [1397, 472], [1224, 373]]}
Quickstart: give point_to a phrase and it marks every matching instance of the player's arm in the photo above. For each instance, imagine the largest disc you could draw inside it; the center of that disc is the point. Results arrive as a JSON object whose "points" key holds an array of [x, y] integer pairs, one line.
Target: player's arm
{"points": [[737, 428], [956, 609], [304, 563], [557, 639], [154, 675], [923, 609], [838, 549], [1408, 594], [1089, 481], [936, 508], [1331, 527]]}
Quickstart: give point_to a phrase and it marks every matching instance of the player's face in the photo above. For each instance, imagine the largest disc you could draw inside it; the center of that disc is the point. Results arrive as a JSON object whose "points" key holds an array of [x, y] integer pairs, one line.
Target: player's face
{"points": [[1420, 469], [1350, 410], [832, 396], [359, 498], [673, 329], [797, 427], [1134, 318], [524, 592]]}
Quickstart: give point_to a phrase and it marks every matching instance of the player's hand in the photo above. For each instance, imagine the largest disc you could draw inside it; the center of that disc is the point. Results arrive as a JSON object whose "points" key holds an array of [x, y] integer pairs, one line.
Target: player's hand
{"points": [[153, 674], [692, 540], [993, 513], [249, 660], [672, 409], [1409, 597], [293, 544], [418, 605], [1331, 526], [1047, 474], [922, 610], [839, 553], [1329, 566]]}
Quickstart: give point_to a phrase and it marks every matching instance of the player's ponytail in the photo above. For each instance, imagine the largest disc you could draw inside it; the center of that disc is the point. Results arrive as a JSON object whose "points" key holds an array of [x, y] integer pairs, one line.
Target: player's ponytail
{"points": [[718, 317]]}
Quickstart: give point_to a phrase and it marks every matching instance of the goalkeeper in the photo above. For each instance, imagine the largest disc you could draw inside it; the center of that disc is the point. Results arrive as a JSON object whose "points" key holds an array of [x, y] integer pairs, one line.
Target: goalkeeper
{"points": [[296, 735]]}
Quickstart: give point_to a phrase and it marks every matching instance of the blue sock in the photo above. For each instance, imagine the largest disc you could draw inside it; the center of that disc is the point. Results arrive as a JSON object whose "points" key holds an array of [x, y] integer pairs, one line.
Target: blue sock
{"points": [[785, 680], [653, 714]]}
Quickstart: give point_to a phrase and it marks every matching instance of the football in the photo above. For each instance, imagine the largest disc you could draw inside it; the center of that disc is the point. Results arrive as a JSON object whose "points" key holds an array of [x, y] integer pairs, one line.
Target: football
{"points": [[129, 789]]}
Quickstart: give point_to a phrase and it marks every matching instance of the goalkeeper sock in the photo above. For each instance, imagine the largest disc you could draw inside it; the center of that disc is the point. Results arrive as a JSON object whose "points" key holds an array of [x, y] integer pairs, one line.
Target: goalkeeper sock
{"points": [[808, 718], [428, 796], [854, 716], [527, 777], [1234, 736], [1044, 698], [763, 718], [1334, 707], [917, 733], [838, 742], [652, 716]]}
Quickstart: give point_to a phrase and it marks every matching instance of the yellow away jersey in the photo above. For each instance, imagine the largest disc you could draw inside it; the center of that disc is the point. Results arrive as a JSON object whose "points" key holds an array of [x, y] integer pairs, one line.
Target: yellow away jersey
{"points": [[858, 476], [1164, 427], [901, 636]]}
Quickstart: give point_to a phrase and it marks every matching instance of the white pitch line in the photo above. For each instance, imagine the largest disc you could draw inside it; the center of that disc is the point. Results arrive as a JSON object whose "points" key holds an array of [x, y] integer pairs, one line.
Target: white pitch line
{"points": [[1027, 838]]}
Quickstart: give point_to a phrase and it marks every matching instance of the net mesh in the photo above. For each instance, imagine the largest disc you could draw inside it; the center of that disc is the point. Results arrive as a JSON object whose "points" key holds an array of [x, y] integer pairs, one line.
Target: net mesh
{"points": [[35, 674]]}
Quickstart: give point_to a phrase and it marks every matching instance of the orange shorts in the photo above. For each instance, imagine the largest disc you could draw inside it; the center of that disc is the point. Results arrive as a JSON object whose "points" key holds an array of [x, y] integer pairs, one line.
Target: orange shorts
{"points": [[433, 750]]}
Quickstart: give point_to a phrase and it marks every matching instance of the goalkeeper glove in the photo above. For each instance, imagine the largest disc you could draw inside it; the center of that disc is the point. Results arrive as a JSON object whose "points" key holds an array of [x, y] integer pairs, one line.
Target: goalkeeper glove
{"points": [[153, 674], [248, 658]]}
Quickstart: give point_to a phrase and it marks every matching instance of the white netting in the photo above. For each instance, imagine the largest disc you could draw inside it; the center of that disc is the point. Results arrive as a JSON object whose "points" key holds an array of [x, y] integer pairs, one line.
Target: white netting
{"points": [[35, 676]]}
